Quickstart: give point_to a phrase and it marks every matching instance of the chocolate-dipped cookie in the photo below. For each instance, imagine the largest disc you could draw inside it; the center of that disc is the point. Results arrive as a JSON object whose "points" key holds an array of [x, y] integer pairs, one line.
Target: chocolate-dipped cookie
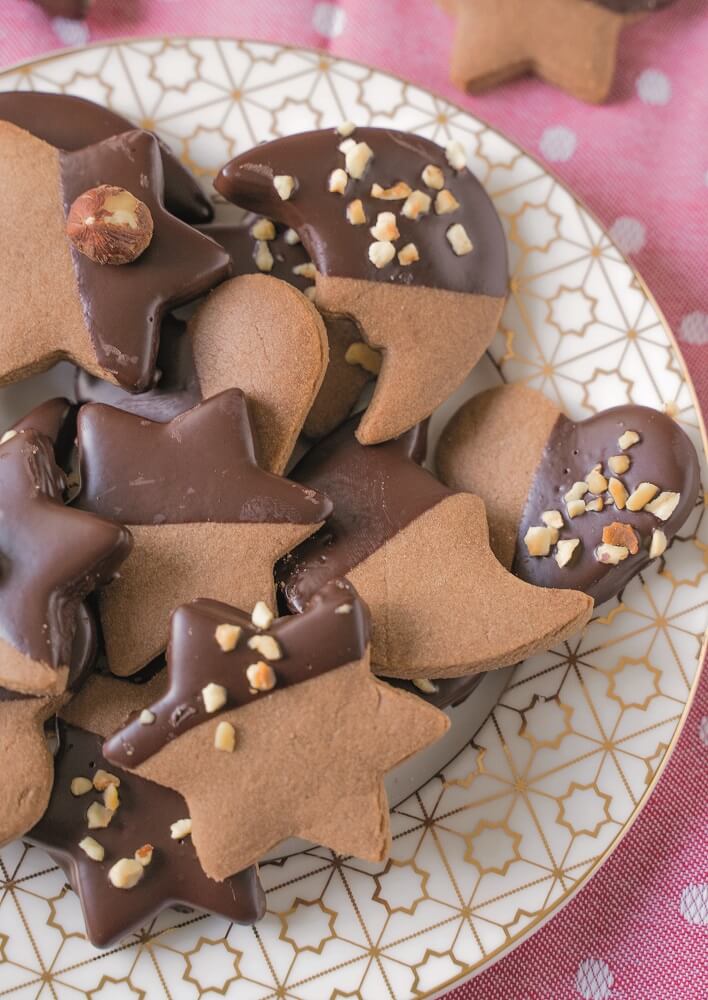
{"points": [[55, 419], [89, 269], [138, 828], [404, 240], [585, 504], [571, 44], [261, 714], [206, 520], [441, 603], [70, 122]]}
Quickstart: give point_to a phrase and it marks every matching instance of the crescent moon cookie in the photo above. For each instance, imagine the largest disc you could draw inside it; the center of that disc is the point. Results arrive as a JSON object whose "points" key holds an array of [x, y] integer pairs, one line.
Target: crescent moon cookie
{"points": [[112, 831], [404, 240], [70, 122], [206, 520], [586, 505], [259, 713], [441, 604], [91, 268], [571, 44]]}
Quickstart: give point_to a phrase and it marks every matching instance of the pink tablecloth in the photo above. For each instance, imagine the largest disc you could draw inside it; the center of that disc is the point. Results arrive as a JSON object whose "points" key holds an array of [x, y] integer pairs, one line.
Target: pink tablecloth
{"points": [[639, 930]]}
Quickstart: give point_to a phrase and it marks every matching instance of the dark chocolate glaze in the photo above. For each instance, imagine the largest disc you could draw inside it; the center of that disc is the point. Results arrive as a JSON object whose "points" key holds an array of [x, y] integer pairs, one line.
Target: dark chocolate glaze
{"points": [[664, 456], [340, 249], [144, 816], [632, 6], [73, 122], [377, 490], [312, 643], [198, 467], [451, 691], [237, 241], [52, 556], [124, 305], [176, 386], [56, 420]]}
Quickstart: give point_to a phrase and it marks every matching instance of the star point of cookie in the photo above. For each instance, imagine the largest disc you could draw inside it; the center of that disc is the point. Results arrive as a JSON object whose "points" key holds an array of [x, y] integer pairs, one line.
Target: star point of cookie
{"points": [[61, 304], [261, 721]]}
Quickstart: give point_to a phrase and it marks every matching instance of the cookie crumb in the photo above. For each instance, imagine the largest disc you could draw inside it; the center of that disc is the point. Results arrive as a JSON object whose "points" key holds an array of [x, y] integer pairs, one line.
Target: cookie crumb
{"points": [[628, 439], [664, 505], [214, 697], [619, 464], [408, 255], [338, 180], [658, 545], [225, 737], [80, 786], [639, 498], [366, 357], [355, 212], [565, 549], [417, 204], [261, 676], [433, 177], [266, 645], [227, 637], [385, 228], [180, 829], [126, 873], [262, 616], [357, 159], [446, 203], [284, 184], [459, 240], [455, 155], [263, 229], [381, 253], [92, 849]]}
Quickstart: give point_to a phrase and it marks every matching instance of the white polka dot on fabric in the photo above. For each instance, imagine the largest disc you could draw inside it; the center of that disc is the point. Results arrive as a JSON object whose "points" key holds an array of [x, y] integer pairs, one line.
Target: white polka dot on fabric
{"points": [[69, 31], [694, 329], [654, 87], [703, 731], [594, 980], [328, 19], [558, 143], [694, 903], [629, 234]]}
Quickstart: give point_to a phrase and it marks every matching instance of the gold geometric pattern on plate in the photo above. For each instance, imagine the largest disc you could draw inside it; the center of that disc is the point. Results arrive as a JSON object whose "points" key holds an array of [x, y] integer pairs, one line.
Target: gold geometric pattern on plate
{"points": [[486, 849]]}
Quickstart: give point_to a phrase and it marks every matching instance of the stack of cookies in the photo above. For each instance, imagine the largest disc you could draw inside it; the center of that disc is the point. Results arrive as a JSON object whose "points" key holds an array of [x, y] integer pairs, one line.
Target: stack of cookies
{"points": [[201, 656]]}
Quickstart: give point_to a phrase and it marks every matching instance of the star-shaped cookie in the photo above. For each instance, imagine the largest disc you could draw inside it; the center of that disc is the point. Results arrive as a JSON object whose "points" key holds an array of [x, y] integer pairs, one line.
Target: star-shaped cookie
{"points": [[52, 558], [571, 44], [287, 734], [144, 816], [419, 555], [59, 303], [206, 520]]}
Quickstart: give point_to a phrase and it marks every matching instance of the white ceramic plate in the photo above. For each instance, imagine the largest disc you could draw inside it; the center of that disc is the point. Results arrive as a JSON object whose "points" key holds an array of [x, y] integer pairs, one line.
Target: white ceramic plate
{"points": [[542, 775]]}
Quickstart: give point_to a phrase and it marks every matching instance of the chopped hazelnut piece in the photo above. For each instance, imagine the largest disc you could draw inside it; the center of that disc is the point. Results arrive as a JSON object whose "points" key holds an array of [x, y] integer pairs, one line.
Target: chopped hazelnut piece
{"points": [[92, 848], [355, 212], [146, 717], [596, 482], [565, 549], [611, 554], [126, 873], [284, 184], [539, 540], [214, 697], [381, 253], [664, 505], [263, 257], [111, 799], [577, 491], [639, 498], [425, 685], [291, 237], [343, 609], [227, 637], [596, 505], [385, 228], [181, 829], [628, 439], [307, 270], [102, 779], [408, 255], [459, 240], [416, 204], [658, 545], [552, 518], [397, 192], [80, 786], [345, 146], [455, 155], [433, 177], [445, 203], [338, 181], [263, 229], [366, 357], [109, 225], [266, 645], [575, 508], [618, 492], [262, 616], [225, 737], [621, 533], [357, 159], [98, 816], [619, 464], [143, 855], [261, 676], [346, 128], [8, 436]]}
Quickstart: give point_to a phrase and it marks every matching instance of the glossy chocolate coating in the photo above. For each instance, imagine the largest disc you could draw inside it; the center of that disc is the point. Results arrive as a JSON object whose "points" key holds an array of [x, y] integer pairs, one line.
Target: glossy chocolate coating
{"points": [[377, 490], [56, 420], [312, 643], [124, 304], [73, 122], [341, 249], [199, 467], [52, 556], [664, 456], [451, 691], [176, 387], [144, 816], [241, 246]]}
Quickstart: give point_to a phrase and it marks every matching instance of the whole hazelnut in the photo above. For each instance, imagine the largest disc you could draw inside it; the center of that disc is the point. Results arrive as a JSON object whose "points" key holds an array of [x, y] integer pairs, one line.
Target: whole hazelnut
{"points": [[109, 225]]}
